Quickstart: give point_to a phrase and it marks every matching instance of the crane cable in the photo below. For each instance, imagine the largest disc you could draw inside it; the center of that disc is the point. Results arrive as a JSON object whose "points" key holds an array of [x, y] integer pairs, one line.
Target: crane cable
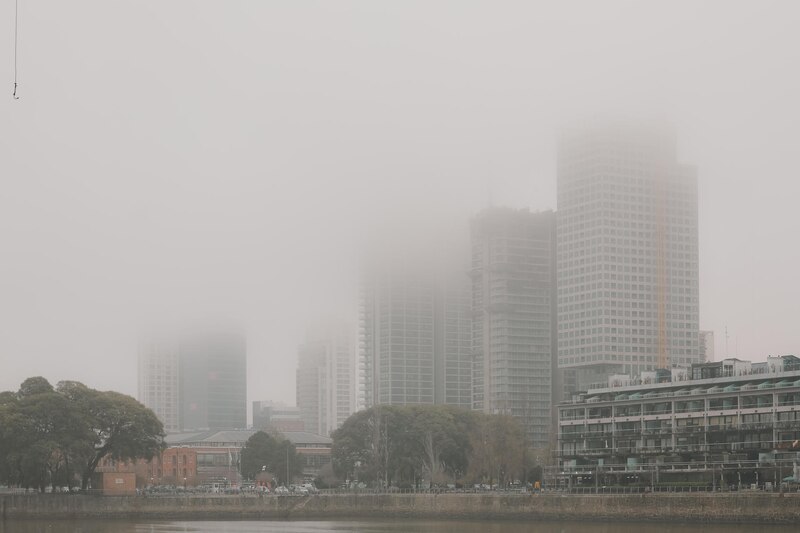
{"points": [[16, 40]]}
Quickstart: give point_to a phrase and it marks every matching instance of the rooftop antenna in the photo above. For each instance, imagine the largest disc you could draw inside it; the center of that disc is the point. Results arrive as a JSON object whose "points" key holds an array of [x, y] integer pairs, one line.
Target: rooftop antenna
{"points": [[16, 40]]}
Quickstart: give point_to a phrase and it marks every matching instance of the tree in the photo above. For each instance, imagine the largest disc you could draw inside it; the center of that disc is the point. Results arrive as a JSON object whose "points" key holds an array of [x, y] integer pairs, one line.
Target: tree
{"points": [[49, 435], [34, 386], [123, 428], [403, 444], [52, 431], [357, 451], [498, 445], [266, 452]]}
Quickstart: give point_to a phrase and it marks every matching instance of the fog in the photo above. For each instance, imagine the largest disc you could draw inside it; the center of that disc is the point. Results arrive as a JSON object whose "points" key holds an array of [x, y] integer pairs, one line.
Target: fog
{"points": [[230, 158]]}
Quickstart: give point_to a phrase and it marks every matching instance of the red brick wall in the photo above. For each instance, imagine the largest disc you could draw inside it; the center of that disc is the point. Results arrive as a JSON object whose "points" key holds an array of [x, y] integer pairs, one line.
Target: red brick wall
{"points": [[115, 483], [171, 468]]}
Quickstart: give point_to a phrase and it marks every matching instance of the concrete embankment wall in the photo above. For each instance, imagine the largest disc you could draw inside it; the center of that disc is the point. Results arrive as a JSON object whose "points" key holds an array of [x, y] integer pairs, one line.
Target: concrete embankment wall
{"points": [[698, 507]]}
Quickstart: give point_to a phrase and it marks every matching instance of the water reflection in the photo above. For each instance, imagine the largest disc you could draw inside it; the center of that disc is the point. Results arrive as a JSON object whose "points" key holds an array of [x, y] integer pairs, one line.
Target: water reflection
{"points": [[123, 526]]}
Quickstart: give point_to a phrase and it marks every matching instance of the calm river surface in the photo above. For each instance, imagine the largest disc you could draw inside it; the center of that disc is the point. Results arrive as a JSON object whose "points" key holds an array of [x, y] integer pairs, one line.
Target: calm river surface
{"points": [[412, 526]]}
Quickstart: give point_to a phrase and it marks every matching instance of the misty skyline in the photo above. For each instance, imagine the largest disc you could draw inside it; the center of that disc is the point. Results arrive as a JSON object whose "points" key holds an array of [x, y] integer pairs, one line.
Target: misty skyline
{"points": [[229, 159]]}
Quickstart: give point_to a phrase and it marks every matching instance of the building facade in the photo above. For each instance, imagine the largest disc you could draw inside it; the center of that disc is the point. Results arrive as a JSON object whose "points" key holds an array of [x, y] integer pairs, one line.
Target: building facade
{"points": [[414, 333], [276, 416], [218, 454], [627, 253], [707, 346], [513, 309], [718, 423], [159, 380], [326, 378], [195, 380]]}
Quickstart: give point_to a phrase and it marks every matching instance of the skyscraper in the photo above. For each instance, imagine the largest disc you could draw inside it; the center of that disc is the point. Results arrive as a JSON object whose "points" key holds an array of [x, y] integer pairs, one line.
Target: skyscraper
{"points": [[195, 379], [707, 346], [627, 252], [325, 378], [514, 343], [158, 379], [414, 331], [213, 378]]}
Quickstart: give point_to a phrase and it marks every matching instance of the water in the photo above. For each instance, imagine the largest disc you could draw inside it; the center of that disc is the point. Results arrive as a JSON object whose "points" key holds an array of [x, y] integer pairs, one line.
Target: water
{"points": [[397, 526]]}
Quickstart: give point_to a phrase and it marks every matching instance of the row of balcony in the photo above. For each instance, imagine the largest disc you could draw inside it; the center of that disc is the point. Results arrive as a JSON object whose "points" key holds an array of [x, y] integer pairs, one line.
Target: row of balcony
{"points": [[668, 430], [680, 448]]}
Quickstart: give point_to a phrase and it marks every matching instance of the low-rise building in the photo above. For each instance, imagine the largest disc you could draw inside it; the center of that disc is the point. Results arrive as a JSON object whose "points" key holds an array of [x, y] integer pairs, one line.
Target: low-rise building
{"points": [[722, 423], [218, 452], [176, 466]]}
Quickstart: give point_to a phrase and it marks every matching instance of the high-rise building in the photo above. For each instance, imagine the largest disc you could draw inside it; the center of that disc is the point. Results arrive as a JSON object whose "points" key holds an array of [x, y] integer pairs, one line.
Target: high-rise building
{"points": [[326, 378], [195, 379], [513, 329], [627, 252], [214, 381], [707, 346], [277, 416], [414, 331], [159, 380]]}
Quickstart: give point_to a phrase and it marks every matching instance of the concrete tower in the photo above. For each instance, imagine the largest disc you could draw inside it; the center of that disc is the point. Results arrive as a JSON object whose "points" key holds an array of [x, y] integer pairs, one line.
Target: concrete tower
{"points": [[627, 252], [514, 342]]}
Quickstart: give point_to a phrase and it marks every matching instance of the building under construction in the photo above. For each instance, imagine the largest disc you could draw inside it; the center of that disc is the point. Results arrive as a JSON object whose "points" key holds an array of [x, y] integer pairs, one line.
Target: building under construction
{"points": [[723, 425]]}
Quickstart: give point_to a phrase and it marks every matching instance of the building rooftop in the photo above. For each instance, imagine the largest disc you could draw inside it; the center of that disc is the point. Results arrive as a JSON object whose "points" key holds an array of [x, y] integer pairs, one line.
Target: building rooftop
{"points": [[777, 372], [238, 437]]}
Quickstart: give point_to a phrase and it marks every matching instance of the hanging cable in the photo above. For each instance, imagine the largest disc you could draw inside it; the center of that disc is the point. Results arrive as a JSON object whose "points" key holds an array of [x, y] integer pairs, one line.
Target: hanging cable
{"points": [[16, 41]]}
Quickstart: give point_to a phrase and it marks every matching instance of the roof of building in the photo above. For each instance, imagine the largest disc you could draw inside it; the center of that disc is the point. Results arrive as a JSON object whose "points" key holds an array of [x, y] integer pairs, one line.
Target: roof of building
{"points": [[237, 437]]}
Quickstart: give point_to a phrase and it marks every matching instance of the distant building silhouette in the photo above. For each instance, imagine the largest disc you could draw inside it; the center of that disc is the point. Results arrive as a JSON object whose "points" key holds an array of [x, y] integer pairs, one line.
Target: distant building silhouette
{"points": [[159, 380], [707, 346], [195, 379], [326, 377], [414, 329], [276, 416], [513, 329], [627, 253]]}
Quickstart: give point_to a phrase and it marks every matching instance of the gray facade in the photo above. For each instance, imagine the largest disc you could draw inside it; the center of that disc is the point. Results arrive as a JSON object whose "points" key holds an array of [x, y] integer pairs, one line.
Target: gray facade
{"points": [[513, 331], [214, 381], [158, 380], [717, 423], [278, 416], [325, 378], [707, 346], [195, 380], [627, 253], [414, 335]]}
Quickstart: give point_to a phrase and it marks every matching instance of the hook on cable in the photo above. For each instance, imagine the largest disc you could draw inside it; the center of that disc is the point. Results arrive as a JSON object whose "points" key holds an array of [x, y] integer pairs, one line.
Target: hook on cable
{"points": [[14, 94]]}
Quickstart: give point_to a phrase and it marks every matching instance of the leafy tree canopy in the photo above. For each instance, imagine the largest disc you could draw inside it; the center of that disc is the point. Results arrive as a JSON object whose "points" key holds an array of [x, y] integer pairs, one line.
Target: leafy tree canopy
{"points": [[405, 445], [51, 435], [269, 453]]}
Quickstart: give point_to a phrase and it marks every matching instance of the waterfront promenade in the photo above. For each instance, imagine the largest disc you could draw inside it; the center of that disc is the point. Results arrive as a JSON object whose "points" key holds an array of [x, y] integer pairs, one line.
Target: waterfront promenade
{"points": [[744, 507]]}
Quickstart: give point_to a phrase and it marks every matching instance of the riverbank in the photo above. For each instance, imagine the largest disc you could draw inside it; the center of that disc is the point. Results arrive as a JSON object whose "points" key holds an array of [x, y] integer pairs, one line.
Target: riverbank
{"points": [[752, 508]]}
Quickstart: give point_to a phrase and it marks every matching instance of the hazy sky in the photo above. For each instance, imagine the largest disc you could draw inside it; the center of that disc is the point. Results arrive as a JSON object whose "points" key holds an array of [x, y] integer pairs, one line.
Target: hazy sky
{"points": [[187, 157]]}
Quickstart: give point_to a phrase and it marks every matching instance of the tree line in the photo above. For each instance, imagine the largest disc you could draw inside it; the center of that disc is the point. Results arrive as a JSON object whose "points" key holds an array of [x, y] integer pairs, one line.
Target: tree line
{"points": [[405, 446], [57, 436]]}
